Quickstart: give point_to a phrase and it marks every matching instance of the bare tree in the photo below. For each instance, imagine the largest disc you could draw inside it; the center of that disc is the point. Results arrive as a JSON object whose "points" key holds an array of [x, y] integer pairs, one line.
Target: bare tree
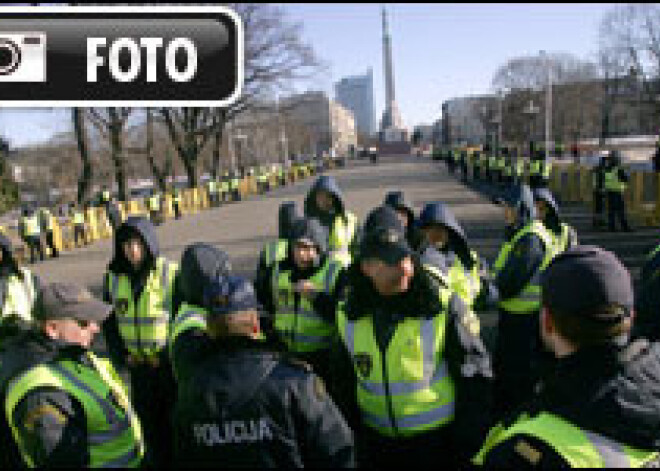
{"points": [[111, 123], [275, 57], [87, 174]]}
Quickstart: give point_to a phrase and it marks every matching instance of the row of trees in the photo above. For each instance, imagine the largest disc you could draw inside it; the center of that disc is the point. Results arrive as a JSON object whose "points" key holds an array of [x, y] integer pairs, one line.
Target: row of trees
{"points": [[276, 57], [616, 91]]}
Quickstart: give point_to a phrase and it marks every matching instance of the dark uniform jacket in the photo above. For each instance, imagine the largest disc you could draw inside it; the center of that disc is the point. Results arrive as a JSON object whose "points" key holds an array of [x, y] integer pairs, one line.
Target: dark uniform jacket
{"points": [[607, 390], [243, 404], [467, 358], [51, 422]]}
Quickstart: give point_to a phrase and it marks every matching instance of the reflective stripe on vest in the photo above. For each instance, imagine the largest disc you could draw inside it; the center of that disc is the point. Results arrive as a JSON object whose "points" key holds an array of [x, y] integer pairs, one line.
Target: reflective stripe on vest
{"points": [[19, 298], [299, 326], [275, 251], [32, 226], [529, 298], [189, 317], [612, 182], [78, 218], [114, 435], [407, 390], [144, 328], [466, 284], [341, 235], [580, 448]]}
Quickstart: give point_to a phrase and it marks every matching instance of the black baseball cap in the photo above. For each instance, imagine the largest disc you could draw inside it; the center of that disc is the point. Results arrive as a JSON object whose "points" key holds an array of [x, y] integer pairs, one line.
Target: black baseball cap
{"points": [[583, 281], [384, 237], [228, 294], [69, 301]]}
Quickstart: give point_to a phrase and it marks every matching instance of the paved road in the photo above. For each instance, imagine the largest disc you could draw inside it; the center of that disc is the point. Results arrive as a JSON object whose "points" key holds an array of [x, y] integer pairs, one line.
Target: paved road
{"points": [[243, 228]]}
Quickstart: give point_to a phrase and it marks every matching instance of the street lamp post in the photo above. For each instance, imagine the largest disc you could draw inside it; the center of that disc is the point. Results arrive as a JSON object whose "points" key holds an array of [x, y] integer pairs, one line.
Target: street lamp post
{"points": [[531, 111], [548, 107]]}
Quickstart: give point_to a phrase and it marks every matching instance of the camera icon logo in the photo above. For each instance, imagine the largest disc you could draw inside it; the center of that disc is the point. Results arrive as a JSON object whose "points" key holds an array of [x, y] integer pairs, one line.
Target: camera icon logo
{"points": [[22, 57]]}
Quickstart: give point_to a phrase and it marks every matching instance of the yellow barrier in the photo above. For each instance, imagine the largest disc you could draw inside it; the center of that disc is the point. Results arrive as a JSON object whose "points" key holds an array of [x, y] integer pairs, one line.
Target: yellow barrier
{"points": [[573, 184]]}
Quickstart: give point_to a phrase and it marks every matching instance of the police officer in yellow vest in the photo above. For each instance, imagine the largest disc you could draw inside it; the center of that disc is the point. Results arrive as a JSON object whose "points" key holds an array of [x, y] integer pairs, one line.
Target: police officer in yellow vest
{"points": [[176, 201], [526, 252], [78, 219], [600, 404], [18, 292], [467, 273], [293, 291], [325, 203], [30, 231], [64, 406], [139, 284], [154, 204], [276, 250], [412, 378], [214, 192], [547, 210], [47, 223], [615, 184]]}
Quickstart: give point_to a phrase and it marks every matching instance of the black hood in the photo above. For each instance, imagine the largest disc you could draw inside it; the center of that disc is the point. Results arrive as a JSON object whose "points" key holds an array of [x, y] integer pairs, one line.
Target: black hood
{"points": [[312, 229], [521, 198], [200, 265], [396, 200], [146, 231], [9, 265], [543, 194], [611, 391], [287, 214], [328, 184], [440, 213]]}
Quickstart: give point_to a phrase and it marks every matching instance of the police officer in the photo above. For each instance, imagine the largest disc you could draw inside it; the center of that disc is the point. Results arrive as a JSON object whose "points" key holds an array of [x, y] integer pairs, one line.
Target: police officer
{"points": [[65, 406], [397, 201], [244, 404], [114, 214], [154, 204], [105, 195], [598, 192], [547, 211], [599, 406], [30, 232], [464, 164], [139, 284], [47, 225], [467, 274], [200, 265], [290, 294], [325, 202], [78, 218], [518, 163], [411, 374], [213, 189], [477, 163], [526, 252], [277, 250], [18, 291], [615, 184], [176, 202]]}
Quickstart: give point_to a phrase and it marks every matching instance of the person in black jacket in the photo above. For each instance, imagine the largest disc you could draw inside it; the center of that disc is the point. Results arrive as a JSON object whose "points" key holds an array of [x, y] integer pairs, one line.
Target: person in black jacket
{"points": [[388, 292], [243, 403], [601, 398]]}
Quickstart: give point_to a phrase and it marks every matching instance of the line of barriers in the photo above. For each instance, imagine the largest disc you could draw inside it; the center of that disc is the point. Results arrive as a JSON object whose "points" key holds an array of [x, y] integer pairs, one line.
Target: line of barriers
{"points": [[192, 201], [573, 183]]}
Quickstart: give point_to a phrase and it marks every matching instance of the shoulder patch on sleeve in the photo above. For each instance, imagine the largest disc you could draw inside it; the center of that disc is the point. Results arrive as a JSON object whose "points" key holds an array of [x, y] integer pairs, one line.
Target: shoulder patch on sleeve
{"points": [[528, 452], [43, 413]]}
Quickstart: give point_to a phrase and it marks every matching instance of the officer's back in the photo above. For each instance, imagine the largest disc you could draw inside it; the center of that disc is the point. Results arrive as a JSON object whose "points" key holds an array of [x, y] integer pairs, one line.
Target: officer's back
{"points": [[246, 405]]}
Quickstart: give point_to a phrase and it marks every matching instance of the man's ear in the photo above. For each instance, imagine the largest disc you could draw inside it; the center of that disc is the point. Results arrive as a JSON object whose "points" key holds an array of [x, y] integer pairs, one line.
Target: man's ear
{"points": [[547, 322]]}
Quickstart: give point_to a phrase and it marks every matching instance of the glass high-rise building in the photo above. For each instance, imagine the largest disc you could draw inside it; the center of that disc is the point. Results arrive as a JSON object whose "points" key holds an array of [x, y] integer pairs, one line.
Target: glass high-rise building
{"points": [[356, 93]]}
